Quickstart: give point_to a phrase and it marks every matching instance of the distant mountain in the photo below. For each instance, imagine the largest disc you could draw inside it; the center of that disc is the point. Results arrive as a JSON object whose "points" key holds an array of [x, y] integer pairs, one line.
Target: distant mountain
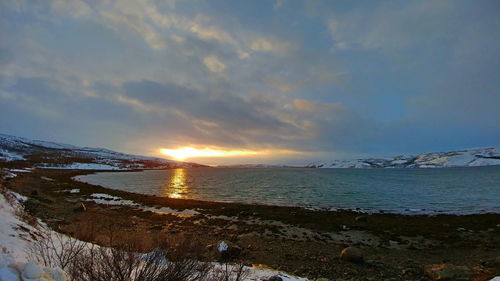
{"points": [[460, 158], [254, 166], [23, 152]]}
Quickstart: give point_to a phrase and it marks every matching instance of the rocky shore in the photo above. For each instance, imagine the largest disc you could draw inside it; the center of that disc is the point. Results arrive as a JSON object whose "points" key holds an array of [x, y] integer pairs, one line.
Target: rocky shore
{"points": [[320, 245]]}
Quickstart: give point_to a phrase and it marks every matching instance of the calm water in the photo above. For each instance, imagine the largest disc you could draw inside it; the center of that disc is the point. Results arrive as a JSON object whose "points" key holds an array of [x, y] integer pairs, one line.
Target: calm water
{"points": [[449, 190]]}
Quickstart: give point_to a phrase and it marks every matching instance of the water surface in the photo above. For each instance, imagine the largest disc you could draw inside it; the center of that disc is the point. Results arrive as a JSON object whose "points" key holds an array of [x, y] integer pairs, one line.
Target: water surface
{"points": [[444, 190]]}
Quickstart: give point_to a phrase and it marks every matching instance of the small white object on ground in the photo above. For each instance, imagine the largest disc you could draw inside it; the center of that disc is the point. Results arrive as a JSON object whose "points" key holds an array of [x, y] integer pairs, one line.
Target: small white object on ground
{"points": [[20, 171], [222, 246]]}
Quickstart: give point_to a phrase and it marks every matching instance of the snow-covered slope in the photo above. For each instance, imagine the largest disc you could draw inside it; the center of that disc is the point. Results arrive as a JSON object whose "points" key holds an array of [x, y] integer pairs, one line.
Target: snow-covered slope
{"points": [[461, 158], [254, 166], [43, 154]]}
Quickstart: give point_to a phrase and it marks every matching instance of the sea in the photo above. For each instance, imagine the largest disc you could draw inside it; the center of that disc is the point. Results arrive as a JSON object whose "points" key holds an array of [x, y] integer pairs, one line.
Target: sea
{"points": [[466, 190]]}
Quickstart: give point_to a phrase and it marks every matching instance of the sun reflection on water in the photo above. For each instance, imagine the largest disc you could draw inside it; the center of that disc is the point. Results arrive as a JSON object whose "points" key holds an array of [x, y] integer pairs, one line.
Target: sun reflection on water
{"points": [[177, 186]]}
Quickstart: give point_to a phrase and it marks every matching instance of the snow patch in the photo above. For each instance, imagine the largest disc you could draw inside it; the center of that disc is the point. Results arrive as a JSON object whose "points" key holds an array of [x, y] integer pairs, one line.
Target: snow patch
{"points": [[20, 170], [83, 166], [10, 155], [106, 199]]}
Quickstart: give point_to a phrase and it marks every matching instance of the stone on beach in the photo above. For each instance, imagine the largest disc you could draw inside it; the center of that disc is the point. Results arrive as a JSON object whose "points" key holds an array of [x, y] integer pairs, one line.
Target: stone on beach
{"points": [[352, 254], [228, 250], [80, 207]]}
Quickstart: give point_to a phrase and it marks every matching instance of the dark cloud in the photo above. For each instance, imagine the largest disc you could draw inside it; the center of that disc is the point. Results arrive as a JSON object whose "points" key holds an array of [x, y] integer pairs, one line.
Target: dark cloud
{"points": [[226, 112]]}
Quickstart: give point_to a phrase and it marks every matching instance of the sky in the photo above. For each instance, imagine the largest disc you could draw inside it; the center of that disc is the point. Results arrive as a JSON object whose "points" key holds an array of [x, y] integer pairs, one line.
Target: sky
{"points": [[283, 82]]}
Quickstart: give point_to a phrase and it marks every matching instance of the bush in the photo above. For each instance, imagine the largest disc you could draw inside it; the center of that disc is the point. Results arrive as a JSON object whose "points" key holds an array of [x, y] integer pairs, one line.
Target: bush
{"points": [[88, 262]]}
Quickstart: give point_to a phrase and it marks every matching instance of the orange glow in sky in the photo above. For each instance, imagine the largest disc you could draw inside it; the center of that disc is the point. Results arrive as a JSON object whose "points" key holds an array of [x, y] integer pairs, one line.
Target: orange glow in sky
{"points": [[190, 152]]}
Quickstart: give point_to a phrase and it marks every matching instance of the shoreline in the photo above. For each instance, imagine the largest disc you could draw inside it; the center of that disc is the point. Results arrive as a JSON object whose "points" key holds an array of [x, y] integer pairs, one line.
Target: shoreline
{"points": [[311, 207], [297, 240]]}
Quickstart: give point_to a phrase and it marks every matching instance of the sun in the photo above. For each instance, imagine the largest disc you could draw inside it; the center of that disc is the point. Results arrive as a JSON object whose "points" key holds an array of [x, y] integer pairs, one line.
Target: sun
{"points": [[190, 152]]}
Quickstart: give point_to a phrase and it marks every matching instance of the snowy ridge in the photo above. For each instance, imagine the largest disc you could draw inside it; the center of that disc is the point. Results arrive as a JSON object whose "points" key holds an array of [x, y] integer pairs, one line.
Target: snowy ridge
{"points": [[460, 158], [253, 166], [43, 154]]}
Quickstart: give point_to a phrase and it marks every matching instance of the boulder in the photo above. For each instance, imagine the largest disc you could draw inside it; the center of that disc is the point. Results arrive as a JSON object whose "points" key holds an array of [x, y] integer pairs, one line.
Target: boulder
{"points": [[352, 254], [228, 250], [275, 278], [80, 207], [448, 271]]}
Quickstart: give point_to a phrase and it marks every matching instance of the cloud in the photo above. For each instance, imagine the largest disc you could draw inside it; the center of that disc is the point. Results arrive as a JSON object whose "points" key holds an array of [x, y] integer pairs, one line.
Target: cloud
{"points": [[307, 106], [211, 33], [266, 45], [214, 64]]}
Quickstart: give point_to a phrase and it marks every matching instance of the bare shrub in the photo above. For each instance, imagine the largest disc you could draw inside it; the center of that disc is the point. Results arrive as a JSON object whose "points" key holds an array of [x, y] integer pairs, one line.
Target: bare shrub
{"points": [[227, 272], [89, 262], [53, 249], [115, 264]]}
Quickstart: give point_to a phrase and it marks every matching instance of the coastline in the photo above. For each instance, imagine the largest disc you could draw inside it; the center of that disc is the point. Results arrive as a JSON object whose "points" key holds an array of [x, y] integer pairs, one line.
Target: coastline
{"points": [[297, 240], [372, 199]]}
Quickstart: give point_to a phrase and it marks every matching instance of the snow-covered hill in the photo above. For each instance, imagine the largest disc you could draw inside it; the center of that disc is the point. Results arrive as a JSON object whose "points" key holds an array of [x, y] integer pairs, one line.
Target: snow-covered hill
{"points": [[254, 166], [461, 158], [24, 152]]}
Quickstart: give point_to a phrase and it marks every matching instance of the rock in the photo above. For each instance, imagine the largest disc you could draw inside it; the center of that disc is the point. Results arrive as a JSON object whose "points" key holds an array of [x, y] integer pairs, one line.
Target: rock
{"points": [[80, 207], [275, 278], [228, 250], [352, 254], [362, 218], [223, 247], [448, 271], [9, 274], [32, 271]]}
